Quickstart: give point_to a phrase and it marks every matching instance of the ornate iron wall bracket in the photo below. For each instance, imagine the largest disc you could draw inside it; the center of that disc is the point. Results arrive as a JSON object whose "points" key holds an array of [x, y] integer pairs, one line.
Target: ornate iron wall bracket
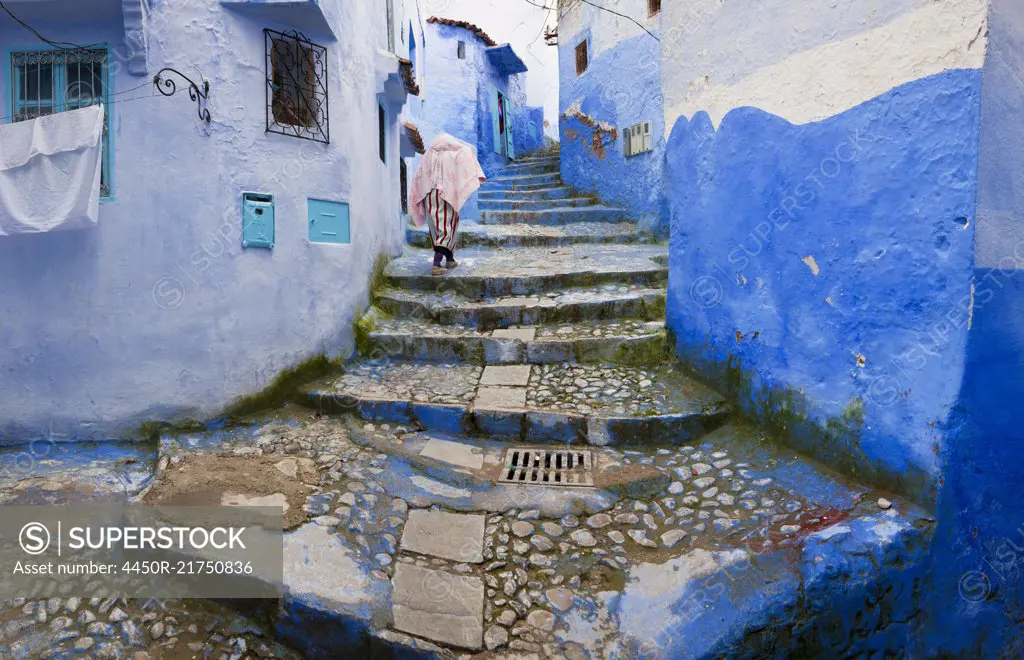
{"points": [[167, 87]]}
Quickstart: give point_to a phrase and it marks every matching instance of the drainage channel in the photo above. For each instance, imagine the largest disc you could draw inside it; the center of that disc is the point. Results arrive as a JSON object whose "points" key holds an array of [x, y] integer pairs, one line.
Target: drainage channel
{"points": [[548, 467]]}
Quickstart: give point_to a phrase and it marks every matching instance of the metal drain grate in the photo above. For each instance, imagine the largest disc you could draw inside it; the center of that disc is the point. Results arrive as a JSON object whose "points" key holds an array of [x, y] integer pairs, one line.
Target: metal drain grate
{"points": [[548, 467]]}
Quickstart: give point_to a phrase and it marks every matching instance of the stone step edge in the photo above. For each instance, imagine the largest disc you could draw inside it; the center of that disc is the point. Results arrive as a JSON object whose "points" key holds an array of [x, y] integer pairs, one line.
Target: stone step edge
{"points": [[484, 192], [513, 285], [421, 238], [526, 425], [560, 203], [648, 304], [646, 349]]}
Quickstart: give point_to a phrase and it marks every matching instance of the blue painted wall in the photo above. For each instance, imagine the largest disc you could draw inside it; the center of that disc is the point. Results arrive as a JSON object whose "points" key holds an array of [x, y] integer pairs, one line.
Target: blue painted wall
{"points": [[458, 101], [158, 312], [885, 216], [621, 87], [978, 601]]}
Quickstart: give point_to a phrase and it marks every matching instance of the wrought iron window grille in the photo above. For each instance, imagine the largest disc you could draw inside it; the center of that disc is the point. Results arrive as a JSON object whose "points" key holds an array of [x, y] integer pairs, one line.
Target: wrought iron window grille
{"points": [[44, 82], [296, 91]]}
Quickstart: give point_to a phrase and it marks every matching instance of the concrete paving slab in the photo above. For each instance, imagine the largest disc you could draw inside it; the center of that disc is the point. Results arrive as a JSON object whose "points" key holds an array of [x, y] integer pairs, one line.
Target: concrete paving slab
{"points": [[455, 453], [439, 606], [455, 536], [500, 398], [522, 334], [515, 375]]}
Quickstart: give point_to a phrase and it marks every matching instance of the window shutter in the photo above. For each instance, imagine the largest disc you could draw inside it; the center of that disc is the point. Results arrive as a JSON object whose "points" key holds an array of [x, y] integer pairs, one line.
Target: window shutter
{"points": [[581, 57]]}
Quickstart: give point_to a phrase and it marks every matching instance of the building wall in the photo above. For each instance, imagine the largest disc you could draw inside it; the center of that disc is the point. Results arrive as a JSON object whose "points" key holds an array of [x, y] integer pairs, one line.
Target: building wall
{"points": [[459, 101], [158, 312], [822, 182], [978, 599], [621, 87]]}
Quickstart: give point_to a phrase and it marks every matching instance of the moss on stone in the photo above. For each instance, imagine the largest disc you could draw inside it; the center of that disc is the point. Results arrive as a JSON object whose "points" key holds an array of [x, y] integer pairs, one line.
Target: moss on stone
{"points": [[643, 353], [151, 431], [282, 388]]}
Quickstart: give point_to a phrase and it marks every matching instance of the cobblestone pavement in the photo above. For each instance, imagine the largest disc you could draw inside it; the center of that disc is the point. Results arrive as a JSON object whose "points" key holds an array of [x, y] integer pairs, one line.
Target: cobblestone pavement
{"points": [[720, 493], [132, 629]]}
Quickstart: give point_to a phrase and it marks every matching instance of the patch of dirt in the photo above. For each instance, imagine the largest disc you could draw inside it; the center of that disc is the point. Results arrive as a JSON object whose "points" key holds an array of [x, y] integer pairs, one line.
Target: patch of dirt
{"points": [[217, 480]]}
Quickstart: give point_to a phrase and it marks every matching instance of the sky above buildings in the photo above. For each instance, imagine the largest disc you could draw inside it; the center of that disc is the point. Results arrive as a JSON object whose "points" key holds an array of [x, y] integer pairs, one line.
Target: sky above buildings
{"points": [[520, 23]]}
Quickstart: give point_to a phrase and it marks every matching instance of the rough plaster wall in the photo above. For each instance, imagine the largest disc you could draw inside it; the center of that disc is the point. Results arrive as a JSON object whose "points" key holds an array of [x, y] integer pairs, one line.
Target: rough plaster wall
{"points": [[979, 592], [621, 87], [820, 260], [816, 62], [158, 311]]}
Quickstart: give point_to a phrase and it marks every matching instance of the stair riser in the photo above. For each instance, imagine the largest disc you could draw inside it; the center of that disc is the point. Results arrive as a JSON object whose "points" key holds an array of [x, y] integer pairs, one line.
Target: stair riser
{"points": [[534, 204], [536, 194], [527, 169], [491, 287], [540, 180], [553, 217], [464, 240], [646, 350], [649, 307], [545, 158], [522, 425]]}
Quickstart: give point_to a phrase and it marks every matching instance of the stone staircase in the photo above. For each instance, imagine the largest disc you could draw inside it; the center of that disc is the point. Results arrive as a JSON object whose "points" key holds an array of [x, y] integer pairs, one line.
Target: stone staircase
{"points": [[550, 330], [515, 467], [549, 339]]}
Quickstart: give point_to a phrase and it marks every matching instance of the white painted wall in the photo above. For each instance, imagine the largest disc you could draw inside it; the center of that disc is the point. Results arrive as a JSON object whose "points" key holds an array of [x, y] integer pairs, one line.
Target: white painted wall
{"points": [[819, 57], [158, 312]]}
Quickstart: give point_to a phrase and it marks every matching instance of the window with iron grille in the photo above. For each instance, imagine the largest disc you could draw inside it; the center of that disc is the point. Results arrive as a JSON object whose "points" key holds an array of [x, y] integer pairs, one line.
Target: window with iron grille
{"points": [[44, 82], [581, 57], [296, 86], [462, 50], [653, 7]]}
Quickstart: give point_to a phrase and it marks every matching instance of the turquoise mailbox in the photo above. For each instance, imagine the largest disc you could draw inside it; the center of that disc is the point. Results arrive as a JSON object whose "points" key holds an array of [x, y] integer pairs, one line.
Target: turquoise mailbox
{"points": [[257, 220]]}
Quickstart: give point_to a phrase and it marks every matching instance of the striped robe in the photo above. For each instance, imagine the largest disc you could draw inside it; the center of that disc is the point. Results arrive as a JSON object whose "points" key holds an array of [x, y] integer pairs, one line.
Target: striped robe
{"points": [[443, 222]]}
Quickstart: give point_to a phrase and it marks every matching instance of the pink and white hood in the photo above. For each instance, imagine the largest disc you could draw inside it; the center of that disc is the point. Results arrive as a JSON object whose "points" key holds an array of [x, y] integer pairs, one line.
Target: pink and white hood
{"points": [[449, 166]]}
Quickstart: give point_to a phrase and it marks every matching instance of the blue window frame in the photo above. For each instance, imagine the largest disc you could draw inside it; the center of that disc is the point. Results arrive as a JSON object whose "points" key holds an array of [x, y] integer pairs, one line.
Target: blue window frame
{"points": [[49, 81]]}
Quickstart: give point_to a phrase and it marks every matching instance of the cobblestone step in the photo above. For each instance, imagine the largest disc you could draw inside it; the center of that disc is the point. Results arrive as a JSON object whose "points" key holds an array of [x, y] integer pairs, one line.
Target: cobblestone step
{"points": [[526, 168], [471, 235], [534, 204], [548, 192], [566, 403], [611, 301], [624, 342], [523, 182], [556, 216], [541, 157], [488, 272]]}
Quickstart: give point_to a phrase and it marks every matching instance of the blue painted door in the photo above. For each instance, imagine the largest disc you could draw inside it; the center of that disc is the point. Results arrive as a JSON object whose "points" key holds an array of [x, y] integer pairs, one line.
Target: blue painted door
{"points": [[328, 222]]}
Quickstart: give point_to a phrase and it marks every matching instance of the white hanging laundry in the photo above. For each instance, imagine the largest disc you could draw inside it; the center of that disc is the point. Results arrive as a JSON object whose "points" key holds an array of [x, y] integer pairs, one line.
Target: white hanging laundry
{"points": [[50, 172]]}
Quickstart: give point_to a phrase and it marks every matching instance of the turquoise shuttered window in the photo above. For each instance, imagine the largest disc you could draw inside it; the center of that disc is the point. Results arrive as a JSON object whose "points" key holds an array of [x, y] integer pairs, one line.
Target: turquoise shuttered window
{"points": [[49, 81]]}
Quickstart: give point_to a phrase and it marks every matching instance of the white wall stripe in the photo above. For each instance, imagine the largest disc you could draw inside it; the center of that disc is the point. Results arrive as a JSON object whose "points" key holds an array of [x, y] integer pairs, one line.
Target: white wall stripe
{"points": [[822, 82]]}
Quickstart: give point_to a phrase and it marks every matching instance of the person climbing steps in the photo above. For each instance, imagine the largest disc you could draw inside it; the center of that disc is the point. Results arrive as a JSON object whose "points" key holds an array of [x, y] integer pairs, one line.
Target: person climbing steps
{"points": [[447, 177]]}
